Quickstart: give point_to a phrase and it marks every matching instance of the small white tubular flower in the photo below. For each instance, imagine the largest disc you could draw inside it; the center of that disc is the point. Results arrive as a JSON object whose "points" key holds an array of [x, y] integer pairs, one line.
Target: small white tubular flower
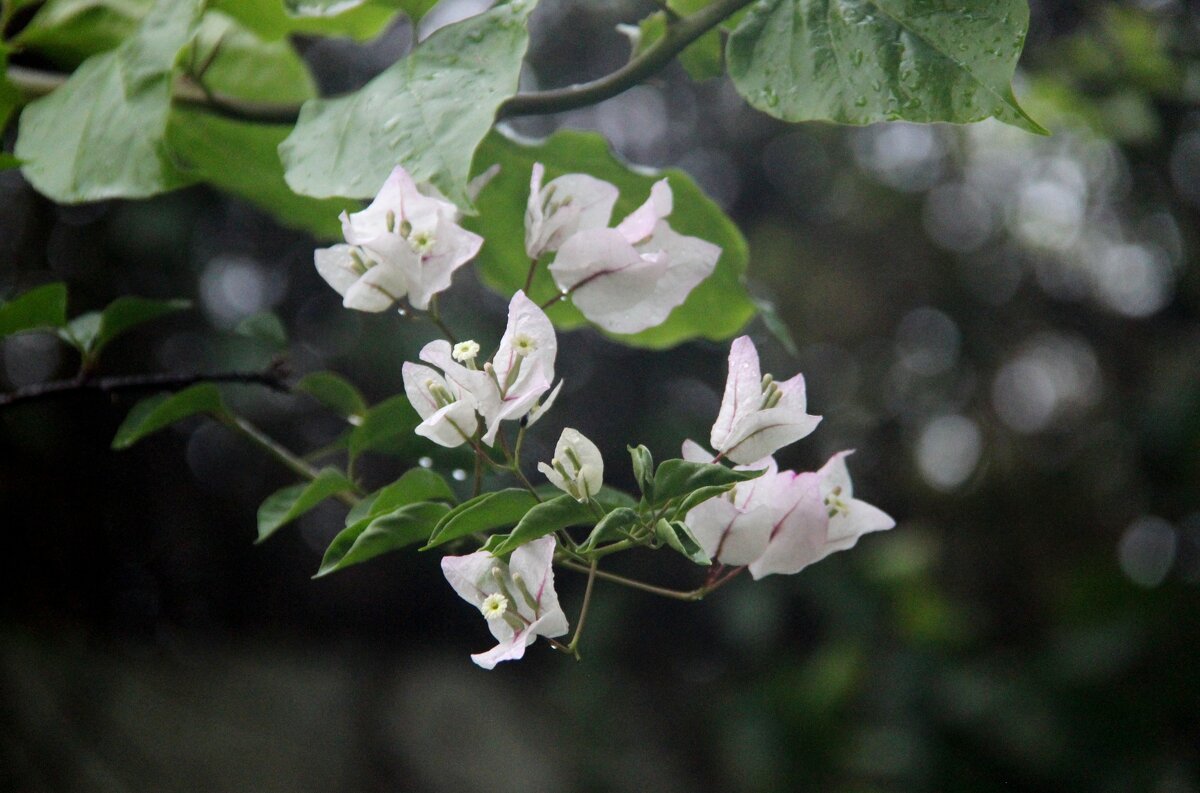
{"points": [[630, 278], [465, 351], [446, 410], [415, 232], [364, 283], [522, 370], [758, 416], [517, 599], [568, 204], [849, 518], [577, 467]]}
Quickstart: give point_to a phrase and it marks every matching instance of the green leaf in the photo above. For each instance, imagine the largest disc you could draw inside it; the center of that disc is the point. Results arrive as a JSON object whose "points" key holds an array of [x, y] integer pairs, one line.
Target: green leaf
{"points": [[716, 309], [265, 327], [675, 478], [546, 518], [284, 506], [42, 308], [162, 410], [614, 526], [862, 61], [101, 134], [386, 428], [243, 158], [643, 469], [485, 512], [336, 393], [269, 19], [678, 536], [10, 99], [92, 332], [611, 498], [7, 161], [374, 536], [241, 64], [427, 112], [68, 32], [417, 484], [699, 496]]}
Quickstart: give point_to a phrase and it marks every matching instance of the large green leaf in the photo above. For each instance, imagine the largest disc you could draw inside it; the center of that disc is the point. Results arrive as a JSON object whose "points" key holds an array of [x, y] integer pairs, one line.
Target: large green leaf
{"points": [[101, 134], [546, 518], [42, 308], [371, 537], [284, 506], [387, 428], [238, 63], [485, 512], [862, 61], [162, 410], [675, 478], [336, 393], [418, 484], [68, 32], [427, 112], [269, 18], [243, 159], [716, 309], [92, 332]]}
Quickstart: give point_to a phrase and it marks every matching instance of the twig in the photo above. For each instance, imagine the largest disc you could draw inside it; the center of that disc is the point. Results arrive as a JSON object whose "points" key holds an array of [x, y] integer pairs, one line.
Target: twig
{"points": [[273, 378], [281, 453]]}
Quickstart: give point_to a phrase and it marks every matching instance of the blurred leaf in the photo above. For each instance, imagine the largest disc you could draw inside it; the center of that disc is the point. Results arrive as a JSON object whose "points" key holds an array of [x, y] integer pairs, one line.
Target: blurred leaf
{"points": [[675, 478], [68, 32], [776, 326], [10, 99], [485, 512], [284, 506], [371, 537], [386, 428], [42, 308], [913, 60], [269, 18], [679, 537], [242, 158], [613, 526], [334, 392], [162, 410], [716, 309], [265, 327], [417, 484], [92, 332], [427, 112], [7, 161], [100, 135], [242, 65], [546, 518]]}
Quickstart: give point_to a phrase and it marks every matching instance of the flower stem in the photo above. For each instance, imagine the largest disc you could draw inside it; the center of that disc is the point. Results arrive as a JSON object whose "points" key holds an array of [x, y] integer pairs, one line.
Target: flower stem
{"points": [[297, 464], [573, 647], [529, 275], [674, 594]]}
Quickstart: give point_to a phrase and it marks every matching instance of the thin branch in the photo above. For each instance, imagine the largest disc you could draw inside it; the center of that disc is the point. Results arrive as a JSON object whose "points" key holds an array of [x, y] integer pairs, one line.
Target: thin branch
{"points": [[680, 33], [281, 453], [674, 594], [273, 378]]}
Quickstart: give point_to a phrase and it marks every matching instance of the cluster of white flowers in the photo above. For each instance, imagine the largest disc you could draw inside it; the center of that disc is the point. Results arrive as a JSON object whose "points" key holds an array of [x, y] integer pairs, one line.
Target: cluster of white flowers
{"points": [[624, 279]]}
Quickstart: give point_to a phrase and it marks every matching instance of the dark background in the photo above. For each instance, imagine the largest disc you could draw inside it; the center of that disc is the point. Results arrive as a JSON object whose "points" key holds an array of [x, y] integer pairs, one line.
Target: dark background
{"points": [[1004, 326]]}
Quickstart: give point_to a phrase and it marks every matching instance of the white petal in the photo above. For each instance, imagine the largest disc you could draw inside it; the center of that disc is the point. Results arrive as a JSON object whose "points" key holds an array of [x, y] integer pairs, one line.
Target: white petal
{"points": [[468, 574], [540, 409], [533, 561], [337, 266], [798, 536], [640, 223], [743, 392], [416, 378], [576, 202], [695, 453], [454, 246], [613, 284], [377, 289], [835, 474], [727, 534], [450, 426]]}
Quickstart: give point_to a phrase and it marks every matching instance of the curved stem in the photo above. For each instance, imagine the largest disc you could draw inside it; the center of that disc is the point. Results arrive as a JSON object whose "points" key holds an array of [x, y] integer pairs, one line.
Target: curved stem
{"points": [[573, 647], [674, 594], [680, 33], [274, 378], [280, 452]]}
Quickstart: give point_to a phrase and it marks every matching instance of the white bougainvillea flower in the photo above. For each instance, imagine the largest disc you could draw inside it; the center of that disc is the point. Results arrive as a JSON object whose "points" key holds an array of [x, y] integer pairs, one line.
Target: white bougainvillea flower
{"points": [[416, 232], [631, 277], [577, 467], [849, 518], [509, 386], [758, 415], [447, 410], [734, 529], [571, 203], [517, 599], [365, 283]]}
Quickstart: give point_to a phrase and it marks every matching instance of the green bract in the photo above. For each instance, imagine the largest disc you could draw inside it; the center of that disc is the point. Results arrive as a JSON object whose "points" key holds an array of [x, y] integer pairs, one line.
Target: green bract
{"points": [[427, 112], [862, 61]]}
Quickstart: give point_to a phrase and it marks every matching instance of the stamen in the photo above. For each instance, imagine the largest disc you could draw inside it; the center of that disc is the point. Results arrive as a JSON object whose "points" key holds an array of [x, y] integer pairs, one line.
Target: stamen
{"points": [[391, 221], [530, 600], [494, 606]]}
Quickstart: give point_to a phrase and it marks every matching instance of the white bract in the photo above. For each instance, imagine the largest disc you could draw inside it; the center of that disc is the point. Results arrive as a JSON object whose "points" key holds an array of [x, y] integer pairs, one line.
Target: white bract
{"points": [[624, 279], [517, 599], [407, 242], [577, 467], [758, 415], [509, 386], [446, 409]]}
